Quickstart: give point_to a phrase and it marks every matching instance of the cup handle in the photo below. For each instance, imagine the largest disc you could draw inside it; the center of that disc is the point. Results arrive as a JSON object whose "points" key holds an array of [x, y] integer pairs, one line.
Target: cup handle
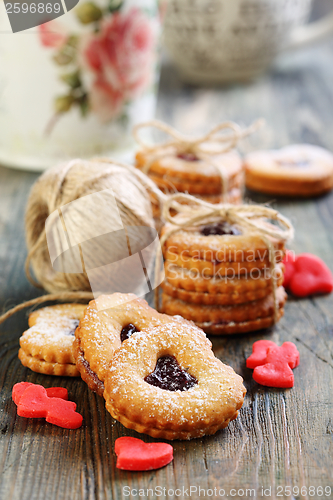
{"points": [[311, 32]]}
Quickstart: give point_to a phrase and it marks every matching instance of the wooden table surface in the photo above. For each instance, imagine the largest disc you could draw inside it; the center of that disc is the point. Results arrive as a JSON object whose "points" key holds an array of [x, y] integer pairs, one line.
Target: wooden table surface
{"points": [[282, 438]]}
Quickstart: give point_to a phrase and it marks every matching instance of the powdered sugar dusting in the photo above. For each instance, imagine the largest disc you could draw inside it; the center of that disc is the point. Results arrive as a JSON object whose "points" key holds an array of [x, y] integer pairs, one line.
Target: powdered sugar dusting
{"points": [[212, 400], [53, 327]]}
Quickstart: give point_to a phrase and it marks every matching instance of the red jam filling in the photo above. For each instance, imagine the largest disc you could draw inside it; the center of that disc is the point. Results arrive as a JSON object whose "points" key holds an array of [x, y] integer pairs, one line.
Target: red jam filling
{"points": [[168, 375], [220, 228], [127, 331], [75, 325], [188, 157]]}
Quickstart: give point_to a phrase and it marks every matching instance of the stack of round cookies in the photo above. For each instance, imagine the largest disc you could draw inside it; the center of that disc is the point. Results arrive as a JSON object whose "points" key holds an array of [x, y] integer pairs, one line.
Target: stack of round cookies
{"points": [[216, 179], [223, 278]]}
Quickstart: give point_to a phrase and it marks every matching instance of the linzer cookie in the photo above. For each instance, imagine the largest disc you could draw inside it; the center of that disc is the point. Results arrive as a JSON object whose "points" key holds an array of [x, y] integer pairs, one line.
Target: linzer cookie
{"points": [[233, 196], [223, 266], [157, 373], [188, 167], [225, 328], [221, 241], [260, 308], [166, 382], [216, 268], [206, 298], [207, 185], [194, 281], [46, 347], [298, 170], [106, 323]]}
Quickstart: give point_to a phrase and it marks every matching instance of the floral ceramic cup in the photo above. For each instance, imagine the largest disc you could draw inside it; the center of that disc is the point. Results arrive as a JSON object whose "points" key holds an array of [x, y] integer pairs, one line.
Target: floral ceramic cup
{"points": [[76, 85]]}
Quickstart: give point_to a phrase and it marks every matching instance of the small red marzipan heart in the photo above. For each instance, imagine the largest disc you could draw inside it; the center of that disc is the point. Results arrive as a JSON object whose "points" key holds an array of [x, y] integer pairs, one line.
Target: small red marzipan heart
{"points": [[63, 414], [259, 353], [272, 364], [310, 276], [52, 392], [287, 352], [34, 402], [135, 454], [277, 374]]}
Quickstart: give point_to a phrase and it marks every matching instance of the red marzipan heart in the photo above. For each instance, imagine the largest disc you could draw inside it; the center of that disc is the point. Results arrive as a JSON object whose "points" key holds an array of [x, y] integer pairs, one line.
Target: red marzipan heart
{"points": [[63, 414], [287, 352], [277, 374], [307, 275], [135, 454], [52, 392], [259, 353], [272, 364], [34, 402]]}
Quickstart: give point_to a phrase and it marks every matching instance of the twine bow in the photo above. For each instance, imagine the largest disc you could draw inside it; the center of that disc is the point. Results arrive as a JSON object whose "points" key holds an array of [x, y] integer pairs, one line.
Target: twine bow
{"points": [[220, 143], [206, 147], [249, 218]]}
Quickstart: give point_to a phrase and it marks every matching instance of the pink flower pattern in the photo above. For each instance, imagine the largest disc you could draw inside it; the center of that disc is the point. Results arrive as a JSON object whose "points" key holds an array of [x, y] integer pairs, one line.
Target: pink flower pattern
{"points": [[118, 54], [51, 34], [120, 57]]}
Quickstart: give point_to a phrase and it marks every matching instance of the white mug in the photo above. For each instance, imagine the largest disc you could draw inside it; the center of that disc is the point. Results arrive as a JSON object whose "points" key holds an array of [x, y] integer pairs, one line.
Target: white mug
{"points": [[214, 41], [76, 86]]}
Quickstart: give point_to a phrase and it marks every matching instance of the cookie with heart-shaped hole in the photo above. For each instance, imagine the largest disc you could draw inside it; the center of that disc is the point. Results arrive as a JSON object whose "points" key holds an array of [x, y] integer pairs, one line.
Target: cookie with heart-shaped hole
{"points": [[46, 347], [107, 322], [167, 382]]}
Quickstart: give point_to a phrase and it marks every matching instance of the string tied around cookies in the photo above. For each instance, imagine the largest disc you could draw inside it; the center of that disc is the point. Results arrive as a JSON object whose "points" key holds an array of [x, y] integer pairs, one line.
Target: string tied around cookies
{"points": [[219, 140], [249, 218]]}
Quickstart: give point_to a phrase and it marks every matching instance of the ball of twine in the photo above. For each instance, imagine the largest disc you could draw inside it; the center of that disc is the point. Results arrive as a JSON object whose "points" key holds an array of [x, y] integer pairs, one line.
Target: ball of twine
{"points": [[65, 183]]}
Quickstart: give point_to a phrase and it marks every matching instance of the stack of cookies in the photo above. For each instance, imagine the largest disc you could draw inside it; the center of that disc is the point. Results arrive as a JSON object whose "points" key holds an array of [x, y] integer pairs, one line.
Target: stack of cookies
{"points": [[219, 178], [222, 277]]}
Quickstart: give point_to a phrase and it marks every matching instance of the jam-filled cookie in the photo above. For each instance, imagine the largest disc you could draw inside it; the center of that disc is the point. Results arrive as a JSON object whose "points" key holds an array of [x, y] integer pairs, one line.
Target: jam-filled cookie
{"points": [[188, 167], [226, 315], [215, 178], [106, 323], [216, 268], [298, 170], [220, 242], [46, 347], [216, 299], [195, 188], [223, 276], [166, 382], [196, 282], [233, 327]]}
